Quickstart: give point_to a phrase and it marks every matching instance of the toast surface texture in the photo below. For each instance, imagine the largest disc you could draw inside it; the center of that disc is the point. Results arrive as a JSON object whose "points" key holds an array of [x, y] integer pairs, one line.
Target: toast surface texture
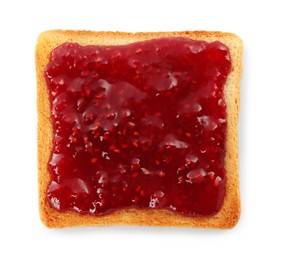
{"points": [[229, 214]]}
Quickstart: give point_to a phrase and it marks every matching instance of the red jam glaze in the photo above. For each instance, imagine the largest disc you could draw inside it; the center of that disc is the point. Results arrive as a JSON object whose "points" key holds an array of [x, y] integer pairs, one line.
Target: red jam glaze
{"points": [[141, 126]]}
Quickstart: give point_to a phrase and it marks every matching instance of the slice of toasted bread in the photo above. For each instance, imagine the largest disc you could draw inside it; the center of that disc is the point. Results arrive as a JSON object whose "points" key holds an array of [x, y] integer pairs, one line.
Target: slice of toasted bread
{"points": [[229, 214]]}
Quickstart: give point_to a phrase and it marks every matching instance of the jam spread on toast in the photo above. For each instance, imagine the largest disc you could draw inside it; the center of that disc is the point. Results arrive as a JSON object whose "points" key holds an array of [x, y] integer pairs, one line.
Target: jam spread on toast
{"points": [[141, 125]]}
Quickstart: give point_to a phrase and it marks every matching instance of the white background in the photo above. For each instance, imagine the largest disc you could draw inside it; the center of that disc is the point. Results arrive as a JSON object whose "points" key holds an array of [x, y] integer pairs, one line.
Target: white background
{"points": [[260, 230]]}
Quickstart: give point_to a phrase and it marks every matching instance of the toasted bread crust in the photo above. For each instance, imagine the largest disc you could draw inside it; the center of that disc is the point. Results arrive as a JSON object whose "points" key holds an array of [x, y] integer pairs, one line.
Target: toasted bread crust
{"points": [[229, 214]]}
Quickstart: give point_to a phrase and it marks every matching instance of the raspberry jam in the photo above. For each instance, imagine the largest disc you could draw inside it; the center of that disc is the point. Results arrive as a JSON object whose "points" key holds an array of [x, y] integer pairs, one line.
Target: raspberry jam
{"points": [[138, 126]]}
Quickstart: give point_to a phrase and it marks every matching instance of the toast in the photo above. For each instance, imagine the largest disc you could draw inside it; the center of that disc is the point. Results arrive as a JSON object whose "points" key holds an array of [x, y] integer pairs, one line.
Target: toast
{"points": [[229, 213]]}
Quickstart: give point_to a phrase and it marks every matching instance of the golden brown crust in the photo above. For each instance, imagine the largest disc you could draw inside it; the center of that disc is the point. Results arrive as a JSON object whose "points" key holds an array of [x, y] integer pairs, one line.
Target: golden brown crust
{"points": [[229, 214]]}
